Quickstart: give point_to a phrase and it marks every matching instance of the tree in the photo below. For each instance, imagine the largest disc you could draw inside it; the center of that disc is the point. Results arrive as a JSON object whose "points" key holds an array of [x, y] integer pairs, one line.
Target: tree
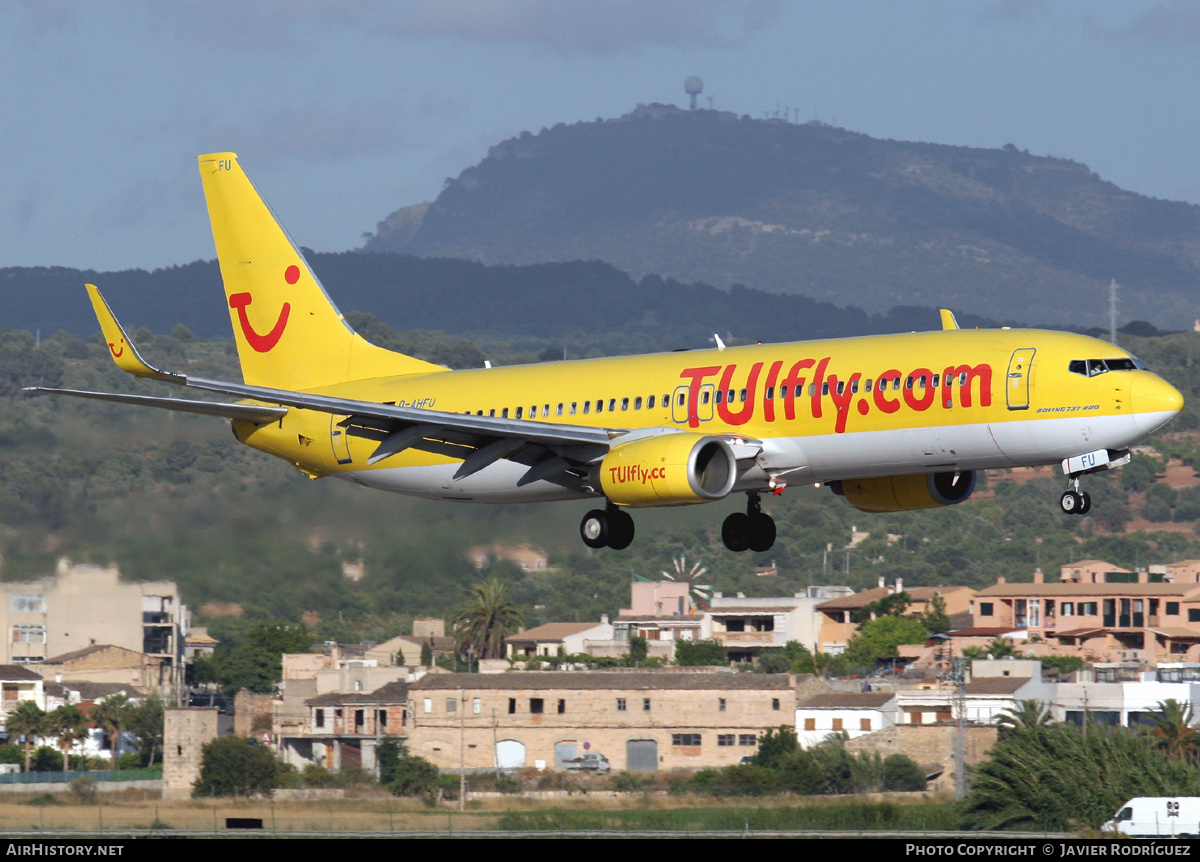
{"points": [[145, 721], [701, 653], [111, 715], [1054, 778], [70, 726], [485, 619], [1173, 734], [405, 774], [879, 638], [935, 619], [892, 605], [639, 648], [901, 772], [233, 766], [1026, 714], [28, 720]]}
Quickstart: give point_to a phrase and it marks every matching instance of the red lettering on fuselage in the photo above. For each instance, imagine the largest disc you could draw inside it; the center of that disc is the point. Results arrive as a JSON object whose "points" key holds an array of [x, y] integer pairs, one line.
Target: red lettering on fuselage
{"points": [[920, 389]]}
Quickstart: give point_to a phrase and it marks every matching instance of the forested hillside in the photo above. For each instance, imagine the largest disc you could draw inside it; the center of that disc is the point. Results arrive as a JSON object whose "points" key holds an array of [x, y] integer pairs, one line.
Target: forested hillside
{"points": [[820, 211], [248, 538]]}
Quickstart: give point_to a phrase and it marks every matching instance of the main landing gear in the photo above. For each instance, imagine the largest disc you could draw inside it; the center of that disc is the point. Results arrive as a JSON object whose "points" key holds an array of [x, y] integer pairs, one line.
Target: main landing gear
{"points": [[609, 527], [754, 530], [1074, 501]]}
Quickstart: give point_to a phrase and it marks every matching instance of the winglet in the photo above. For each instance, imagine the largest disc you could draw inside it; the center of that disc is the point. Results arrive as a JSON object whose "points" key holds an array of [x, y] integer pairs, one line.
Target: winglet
{"points": [[948, 321], [122, 349]]}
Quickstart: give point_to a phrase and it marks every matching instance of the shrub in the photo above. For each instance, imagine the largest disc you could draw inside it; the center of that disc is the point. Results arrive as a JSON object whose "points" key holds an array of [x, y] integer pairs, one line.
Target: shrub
{"points": [[901, 772], [232, 766]]}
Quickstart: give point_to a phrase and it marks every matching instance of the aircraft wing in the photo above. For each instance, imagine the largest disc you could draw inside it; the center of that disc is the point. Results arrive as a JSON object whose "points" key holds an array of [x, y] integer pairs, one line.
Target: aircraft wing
{"points": [[553, 452]]}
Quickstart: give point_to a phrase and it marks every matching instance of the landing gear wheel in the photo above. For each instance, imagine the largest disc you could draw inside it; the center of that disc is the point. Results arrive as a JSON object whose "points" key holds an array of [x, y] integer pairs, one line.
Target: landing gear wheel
{"points": [[1085, 504], [620, 530], [762, 532], [735, 532], [594, 529], [1071, 502]]}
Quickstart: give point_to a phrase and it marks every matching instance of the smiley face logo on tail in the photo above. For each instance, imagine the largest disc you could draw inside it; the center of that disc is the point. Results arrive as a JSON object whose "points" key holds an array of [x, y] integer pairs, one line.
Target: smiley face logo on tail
{"points": [[263, 343], [112, 348]]}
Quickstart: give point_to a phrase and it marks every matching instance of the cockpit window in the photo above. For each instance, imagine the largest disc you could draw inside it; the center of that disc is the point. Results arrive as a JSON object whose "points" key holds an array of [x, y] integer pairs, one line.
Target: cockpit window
{"points": [[1092, 367]]}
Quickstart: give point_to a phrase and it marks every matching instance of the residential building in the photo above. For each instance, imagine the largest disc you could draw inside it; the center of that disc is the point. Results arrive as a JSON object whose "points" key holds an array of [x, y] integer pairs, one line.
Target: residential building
{"points": [[82, 605], [342, 729], [553, 639], [1124, 693], [1097, 619], [853, 713], [837, 625], [640, 720]]}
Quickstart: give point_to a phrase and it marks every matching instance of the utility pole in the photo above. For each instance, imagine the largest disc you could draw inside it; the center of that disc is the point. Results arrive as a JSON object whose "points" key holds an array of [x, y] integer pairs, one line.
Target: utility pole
{"points": [[958, 675]]}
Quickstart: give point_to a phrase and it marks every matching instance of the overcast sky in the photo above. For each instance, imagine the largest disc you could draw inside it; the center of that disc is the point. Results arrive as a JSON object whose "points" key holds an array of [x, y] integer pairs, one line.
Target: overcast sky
{"points": [[344, 110]]}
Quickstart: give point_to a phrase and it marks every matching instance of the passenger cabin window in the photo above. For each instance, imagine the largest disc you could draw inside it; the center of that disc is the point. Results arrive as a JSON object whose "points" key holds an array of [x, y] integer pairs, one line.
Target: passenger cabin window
{"points": [[650, 403], [637, 403], [519, 412]]}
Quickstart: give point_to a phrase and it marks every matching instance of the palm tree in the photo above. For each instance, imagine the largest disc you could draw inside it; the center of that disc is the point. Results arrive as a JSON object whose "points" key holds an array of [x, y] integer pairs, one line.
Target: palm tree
{"points": [[1173, 733], [485, 619], [70, 726], [27, 720], [1026, 714], [111, 715]]}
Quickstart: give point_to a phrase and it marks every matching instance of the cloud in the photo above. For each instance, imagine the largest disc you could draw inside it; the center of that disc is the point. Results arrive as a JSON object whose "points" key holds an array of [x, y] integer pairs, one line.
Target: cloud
{"points": [[1011, 10], [1176, 23], [25, 208], [318, 131], [146, 199], [597, 27]]}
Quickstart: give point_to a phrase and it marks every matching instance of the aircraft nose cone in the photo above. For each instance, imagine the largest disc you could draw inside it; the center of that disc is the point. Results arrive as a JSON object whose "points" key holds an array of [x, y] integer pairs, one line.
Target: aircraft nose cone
{"points": [[1155, 402]]}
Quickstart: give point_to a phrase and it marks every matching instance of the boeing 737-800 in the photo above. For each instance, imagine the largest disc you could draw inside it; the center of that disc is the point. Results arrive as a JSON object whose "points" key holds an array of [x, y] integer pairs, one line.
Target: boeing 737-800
{"points": [[892, 422]]}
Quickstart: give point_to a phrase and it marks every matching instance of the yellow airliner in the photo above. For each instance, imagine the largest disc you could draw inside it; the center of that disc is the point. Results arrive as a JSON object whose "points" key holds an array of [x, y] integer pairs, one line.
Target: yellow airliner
{"points": [[892, 422]]}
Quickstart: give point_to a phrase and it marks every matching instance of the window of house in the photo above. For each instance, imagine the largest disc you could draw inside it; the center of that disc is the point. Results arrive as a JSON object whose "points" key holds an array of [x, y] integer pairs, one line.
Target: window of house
{"points": [[27, 603], [451, 705], [721, 704], [645, 704], [620, 704], [381, 719], [690, 739], [985, 609], [536, 705], [562, 706], [28, 634], [1066, 609], [319, 719], [837, 724], [747, 739], [360, 719], [726, 740], [1172, 609], [810, 724], [476, 706], [512, 706], [428, 705], [775, 704], [864, 724], [1194, 615]]}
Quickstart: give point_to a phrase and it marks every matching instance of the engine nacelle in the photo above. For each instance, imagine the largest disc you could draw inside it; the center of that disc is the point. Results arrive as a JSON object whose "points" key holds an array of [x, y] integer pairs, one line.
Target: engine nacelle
{"points": [[903, 493], [668, 470]]}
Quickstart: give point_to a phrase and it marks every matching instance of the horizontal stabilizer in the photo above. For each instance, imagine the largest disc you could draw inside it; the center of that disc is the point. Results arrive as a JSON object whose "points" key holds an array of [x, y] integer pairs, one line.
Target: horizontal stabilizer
{"points": [[249, 412]]}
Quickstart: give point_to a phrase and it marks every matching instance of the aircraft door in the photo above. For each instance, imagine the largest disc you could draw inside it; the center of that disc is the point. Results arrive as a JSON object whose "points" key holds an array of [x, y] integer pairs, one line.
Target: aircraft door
{"points": [[704, 403], [340, 440], [679, 405], [704, 406], [1016, 390]]}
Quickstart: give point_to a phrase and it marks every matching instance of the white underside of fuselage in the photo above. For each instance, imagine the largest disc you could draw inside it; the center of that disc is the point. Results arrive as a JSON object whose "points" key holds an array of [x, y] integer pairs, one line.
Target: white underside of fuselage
{"points": [[821, 458]]}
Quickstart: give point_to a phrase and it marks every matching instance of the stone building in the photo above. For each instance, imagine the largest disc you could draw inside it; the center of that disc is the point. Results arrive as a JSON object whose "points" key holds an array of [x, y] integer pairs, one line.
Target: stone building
{"points": [[640, 720], [186, 730]]}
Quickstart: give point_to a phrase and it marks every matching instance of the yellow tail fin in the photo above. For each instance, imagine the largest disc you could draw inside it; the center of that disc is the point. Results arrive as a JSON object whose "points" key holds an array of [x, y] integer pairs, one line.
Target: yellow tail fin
{"points": [[289, 334]]}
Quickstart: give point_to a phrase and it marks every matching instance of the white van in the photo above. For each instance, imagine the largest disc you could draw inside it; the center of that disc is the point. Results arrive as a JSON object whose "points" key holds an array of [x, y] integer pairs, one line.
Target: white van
{"points": [[1158, 817]]}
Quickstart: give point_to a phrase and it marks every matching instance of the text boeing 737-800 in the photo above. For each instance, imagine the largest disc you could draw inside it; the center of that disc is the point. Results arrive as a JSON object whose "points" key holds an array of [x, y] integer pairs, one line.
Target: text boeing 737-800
{"points": [[892, 422]]}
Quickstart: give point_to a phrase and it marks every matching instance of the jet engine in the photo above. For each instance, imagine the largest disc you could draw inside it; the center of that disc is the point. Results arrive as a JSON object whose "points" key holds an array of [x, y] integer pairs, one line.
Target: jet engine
{"points": [[902, 493], [668, 470]]}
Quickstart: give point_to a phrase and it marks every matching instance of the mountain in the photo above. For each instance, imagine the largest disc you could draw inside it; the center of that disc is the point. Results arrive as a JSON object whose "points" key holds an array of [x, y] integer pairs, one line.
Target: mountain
{"points": [[820, 211]]}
